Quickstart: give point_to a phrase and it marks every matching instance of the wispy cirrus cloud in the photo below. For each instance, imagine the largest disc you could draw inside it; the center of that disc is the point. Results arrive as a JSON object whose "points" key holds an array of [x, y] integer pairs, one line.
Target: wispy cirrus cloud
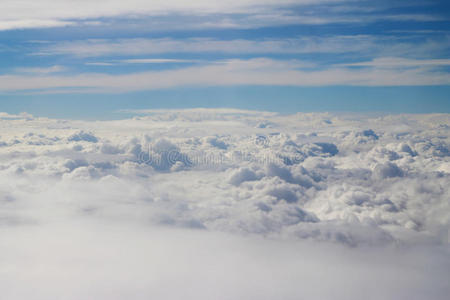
{"points": [[142, 46], [45, 70], [9, 24], [155, 61], [142, 61], [401, 62], [259, 71], [181, 15], [361, 44], [22, 14]]}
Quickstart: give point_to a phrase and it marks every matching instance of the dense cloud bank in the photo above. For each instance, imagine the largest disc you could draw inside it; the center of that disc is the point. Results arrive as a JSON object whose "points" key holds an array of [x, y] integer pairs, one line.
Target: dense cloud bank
{"points": [[312, 182]]}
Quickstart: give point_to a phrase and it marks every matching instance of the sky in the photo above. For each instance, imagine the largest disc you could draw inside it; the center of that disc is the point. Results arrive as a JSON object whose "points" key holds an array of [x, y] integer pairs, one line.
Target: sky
{"points": [[232, 149], [79, 59]]}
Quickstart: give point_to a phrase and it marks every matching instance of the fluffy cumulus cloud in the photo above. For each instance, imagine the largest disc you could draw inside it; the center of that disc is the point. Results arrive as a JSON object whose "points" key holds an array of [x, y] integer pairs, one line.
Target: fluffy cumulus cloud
{"points": [[202, 204]]}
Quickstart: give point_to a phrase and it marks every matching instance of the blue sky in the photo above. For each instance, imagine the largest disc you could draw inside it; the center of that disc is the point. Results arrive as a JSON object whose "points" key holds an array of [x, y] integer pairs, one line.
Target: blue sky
{"points": [[80, 59]]}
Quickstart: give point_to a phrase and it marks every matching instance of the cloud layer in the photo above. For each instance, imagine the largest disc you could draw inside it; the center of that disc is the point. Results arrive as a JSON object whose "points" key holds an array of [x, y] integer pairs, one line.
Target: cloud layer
{"points": [[112, 46], [56, 14], [223, 204], [257, 71], [313, 176], [208, 14]]}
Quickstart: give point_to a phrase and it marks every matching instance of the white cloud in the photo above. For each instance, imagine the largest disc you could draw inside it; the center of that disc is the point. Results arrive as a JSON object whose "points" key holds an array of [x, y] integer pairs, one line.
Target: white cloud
{"points": [[260, 71], [199, 14], [402, 62], [217, 212], [22, 14], [155, 61], [99, 64], [413, 17], [101, 47], [334, 176], [21, 116], [48, 70], [86, 260], [386, 51], [201, 113], [116, 7], [10, 24]]}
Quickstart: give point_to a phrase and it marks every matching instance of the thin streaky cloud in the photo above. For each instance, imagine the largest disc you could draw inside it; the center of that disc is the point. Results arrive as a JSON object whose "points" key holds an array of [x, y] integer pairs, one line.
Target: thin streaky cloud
{"points": [[222, 111], [22, 14], [202, 14], [142, 61], [47, 70], [233, 73], [33, 23], [361, 45], [155, 61], [401, 62], [412, 17], [99, 64]]}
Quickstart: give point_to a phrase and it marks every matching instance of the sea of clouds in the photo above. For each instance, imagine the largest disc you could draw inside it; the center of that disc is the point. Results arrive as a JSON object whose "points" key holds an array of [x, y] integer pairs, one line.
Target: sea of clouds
{"points": [[225, 204]]}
